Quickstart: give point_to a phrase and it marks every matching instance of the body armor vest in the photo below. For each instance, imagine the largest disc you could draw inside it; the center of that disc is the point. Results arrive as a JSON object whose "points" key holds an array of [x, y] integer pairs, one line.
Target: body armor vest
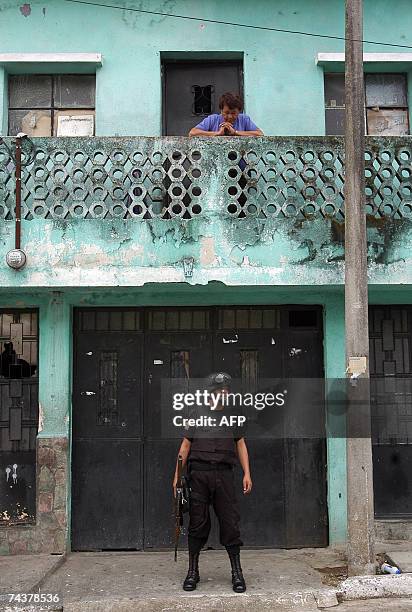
{"points": [[222, 450]]}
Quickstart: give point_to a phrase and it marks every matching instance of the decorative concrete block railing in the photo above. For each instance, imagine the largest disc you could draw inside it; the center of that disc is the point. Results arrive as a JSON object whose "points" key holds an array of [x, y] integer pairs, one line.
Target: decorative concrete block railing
{"points": [[163, 178]]}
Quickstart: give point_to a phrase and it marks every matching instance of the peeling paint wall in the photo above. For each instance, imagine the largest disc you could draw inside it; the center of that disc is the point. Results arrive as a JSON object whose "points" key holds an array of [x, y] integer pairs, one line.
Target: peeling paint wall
{"points": [[81, 252]]}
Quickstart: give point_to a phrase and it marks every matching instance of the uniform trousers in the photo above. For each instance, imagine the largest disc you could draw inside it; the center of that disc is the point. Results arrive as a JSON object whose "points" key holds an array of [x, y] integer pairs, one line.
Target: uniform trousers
{"points": [[217, 488]]}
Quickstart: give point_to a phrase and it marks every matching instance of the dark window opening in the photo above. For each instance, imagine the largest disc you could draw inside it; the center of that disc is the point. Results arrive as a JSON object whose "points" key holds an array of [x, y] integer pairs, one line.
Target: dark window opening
{"points": [[202, 103], [19, 415], [52, 104], [18, 344], [107, 408], [303, 318], [386, 104], [180, 364], [249, 361], [249, 318]]}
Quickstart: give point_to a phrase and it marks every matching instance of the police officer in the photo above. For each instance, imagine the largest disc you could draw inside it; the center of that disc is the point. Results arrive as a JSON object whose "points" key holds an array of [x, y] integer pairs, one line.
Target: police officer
{"points": [[210, 468]]}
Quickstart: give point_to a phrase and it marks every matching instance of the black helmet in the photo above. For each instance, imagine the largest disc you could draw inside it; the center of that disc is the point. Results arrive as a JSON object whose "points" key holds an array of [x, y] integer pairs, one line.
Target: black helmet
{"points": [[218, 380]]}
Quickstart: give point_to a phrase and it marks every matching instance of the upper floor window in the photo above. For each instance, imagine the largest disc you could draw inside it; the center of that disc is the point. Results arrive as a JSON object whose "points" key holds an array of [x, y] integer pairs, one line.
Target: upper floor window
{"points": [[52, 105], [386, 104]]}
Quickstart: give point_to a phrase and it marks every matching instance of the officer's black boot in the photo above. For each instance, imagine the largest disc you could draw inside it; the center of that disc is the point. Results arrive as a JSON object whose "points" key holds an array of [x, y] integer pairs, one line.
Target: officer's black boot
{"points": [[192, 577], [238, 582]]}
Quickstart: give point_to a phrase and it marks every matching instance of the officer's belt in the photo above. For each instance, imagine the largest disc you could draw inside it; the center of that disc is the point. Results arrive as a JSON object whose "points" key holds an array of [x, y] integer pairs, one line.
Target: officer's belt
{"points": [[209, 465]]}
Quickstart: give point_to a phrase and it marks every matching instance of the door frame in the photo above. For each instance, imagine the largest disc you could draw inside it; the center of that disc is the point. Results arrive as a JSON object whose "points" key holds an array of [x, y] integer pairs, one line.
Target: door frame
{"points": [[201, 60]]}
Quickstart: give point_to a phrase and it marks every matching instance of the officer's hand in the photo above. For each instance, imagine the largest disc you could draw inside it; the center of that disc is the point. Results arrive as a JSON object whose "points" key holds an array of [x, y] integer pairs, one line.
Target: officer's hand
{"points": [[247, 484]]}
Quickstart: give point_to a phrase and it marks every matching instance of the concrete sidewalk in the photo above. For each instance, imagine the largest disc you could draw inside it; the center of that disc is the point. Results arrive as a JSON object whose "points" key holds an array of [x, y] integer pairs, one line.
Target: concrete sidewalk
{"points": [[305, 579]]}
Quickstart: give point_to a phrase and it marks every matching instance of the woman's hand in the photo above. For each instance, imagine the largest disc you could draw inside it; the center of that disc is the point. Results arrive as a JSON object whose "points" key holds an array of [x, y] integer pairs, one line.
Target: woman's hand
{"points": [[228, 128]]}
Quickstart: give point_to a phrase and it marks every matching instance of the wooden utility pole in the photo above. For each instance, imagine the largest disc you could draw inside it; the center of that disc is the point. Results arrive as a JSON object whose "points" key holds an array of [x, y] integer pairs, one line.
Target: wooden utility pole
{"points": [[361, 557]]}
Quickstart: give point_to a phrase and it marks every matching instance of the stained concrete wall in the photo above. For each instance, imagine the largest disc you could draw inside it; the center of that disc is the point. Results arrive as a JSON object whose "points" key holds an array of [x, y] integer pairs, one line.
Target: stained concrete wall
{"points": [[84, 253]]}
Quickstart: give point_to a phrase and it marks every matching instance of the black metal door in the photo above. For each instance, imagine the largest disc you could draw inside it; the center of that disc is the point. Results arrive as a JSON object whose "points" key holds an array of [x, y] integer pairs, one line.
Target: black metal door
{"points": [[107, 493], [118, 443], [192, 91], [390, 331], [178, 345], [288, 506]]}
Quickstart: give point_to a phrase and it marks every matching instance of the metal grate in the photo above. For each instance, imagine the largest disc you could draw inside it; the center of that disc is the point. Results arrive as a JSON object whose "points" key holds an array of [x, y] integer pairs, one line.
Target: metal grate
{"points": [[18, 380], [107, 320], [19, 414], [202, 102], [178, 320], [249, 318], [249, 361], [180, 364], [390, 333], [107, 407]]}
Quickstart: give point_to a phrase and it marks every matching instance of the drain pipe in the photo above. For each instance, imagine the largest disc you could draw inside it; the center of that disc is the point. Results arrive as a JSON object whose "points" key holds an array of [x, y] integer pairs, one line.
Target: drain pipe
{"points": [[16, 258]]}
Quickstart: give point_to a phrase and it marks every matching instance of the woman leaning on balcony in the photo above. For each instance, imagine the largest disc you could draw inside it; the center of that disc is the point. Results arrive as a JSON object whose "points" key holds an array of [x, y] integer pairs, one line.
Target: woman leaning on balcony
{"points": [[230, 122]]}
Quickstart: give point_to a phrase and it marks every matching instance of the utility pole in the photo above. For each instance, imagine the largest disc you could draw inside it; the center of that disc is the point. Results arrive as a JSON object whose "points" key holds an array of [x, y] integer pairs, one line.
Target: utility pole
{"points": [[361, 534]]}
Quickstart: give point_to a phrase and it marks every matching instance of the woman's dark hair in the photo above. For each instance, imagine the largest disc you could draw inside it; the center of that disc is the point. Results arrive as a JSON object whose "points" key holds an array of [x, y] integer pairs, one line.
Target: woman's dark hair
{"points": [[231, 100]]}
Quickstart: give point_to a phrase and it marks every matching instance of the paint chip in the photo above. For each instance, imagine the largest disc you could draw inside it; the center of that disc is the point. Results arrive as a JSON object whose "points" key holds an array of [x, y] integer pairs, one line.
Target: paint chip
{"points": [[231, 340], [25, 10]]}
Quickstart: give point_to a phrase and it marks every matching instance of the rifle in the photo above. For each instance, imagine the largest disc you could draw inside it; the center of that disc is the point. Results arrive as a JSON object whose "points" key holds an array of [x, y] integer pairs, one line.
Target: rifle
{"points": [[178, 502]]}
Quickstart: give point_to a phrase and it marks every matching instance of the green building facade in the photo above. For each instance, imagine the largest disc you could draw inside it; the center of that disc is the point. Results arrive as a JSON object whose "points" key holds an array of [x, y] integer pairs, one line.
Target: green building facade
{"points": [[135, 219]]}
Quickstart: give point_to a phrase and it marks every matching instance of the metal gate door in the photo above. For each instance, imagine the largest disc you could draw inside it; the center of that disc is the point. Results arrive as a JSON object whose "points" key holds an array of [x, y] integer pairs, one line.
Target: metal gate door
{"points": [[107, 495], [390, 331], [192, 91], [118, 443], [287, 507], [178, 345]]}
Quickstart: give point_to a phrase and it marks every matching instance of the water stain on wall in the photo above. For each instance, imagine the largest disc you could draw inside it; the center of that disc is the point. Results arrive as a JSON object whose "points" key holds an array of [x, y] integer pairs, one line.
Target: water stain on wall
{"points": [[132, 18]]}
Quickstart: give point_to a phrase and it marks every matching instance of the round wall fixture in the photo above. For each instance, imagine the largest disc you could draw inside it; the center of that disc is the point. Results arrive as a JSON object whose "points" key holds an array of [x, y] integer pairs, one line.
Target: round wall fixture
{"points": [[16, 259]]}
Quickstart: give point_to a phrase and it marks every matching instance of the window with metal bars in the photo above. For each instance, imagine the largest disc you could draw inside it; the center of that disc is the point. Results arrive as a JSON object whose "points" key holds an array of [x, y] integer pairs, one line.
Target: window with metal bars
{"points": [[202, 99]]}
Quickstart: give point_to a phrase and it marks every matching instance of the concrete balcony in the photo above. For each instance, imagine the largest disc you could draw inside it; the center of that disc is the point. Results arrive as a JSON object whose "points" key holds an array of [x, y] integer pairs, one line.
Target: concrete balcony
{"points": [[267, 210]]}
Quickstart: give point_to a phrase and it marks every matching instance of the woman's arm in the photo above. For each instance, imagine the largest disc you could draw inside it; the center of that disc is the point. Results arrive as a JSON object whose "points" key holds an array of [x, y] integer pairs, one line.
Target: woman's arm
{"points": [[249, 133], [198, 132], [244, 462]]}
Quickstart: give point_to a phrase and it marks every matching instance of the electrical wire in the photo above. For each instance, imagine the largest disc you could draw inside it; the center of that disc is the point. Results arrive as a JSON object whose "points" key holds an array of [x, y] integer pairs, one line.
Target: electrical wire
{"points": [[237, 24]]}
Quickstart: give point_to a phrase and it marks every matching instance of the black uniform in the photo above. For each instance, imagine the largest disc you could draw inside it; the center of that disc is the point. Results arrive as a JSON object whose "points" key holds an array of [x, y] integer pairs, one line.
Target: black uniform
{"points": [[210, 468], [211, 462]]}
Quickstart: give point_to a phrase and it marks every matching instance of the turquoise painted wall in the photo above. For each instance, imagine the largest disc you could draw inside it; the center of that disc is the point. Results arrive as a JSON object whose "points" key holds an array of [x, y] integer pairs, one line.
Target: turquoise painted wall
{"points": [[283, 86], [3, 101]]}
